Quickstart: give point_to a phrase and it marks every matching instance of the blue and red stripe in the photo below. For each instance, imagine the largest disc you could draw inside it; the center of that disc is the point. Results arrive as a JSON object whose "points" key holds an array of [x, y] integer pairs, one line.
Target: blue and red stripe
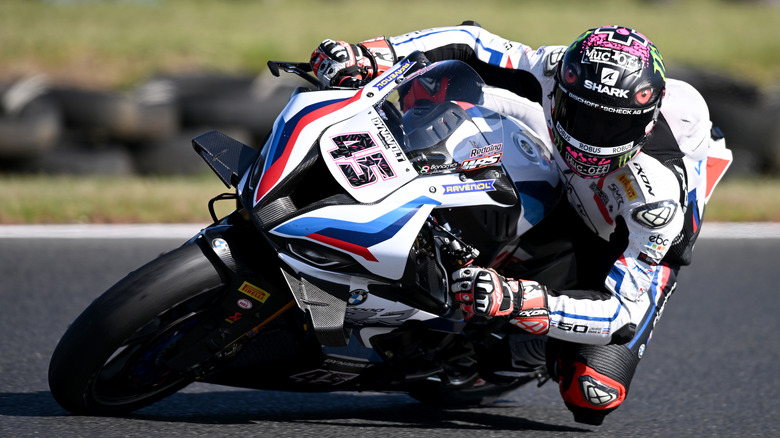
{"points": [[286, 136], [660, 283], [355, 237]]}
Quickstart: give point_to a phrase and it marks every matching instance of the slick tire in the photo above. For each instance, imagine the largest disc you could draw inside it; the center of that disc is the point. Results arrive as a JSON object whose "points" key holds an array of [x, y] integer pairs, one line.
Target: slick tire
{"points": [[111, 340]]}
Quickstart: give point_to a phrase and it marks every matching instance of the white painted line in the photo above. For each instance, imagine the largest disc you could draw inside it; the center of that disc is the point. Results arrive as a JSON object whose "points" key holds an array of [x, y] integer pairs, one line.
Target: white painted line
{"points": [[713, 230], [100, 231]]}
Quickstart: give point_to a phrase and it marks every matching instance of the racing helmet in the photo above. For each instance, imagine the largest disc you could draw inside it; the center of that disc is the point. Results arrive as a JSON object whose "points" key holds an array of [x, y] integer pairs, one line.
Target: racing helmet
{"points": [[607, 96]]}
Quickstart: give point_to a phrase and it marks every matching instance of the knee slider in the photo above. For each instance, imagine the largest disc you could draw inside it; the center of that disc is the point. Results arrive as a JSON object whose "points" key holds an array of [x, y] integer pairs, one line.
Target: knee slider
{"points": [[587, 389], [593, 380]]}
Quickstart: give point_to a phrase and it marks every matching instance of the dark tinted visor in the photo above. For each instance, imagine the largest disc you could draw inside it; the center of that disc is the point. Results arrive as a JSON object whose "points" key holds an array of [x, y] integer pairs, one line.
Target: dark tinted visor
{"points": [[597, 125]]}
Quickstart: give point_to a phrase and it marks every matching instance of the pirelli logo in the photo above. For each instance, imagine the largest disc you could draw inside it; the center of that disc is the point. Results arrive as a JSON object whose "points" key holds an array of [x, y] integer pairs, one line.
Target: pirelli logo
{"points": [[630, 191], [254, 292]]}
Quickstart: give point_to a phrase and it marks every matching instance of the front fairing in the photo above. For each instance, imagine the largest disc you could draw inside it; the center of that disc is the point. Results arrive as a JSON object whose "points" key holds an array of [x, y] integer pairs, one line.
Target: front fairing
{"points": [[300, 125], [348, 178]]}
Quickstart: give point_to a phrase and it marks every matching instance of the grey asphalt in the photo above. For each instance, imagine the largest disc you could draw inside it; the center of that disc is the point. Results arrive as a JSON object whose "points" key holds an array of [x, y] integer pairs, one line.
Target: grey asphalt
{"points": [[711, 369]]}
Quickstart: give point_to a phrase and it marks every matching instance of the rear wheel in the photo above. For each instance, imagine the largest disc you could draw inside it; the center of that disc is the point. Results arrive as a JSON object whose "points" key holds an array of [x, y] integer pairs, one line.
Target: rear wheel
{"points": [[112, 359]]}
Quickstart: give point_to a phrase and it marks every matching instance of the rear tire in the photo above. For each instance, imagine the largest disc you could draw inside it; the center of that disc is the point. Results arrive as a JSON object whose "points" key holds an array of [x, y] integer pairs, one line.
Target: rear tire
{"points": [[108, 361]]}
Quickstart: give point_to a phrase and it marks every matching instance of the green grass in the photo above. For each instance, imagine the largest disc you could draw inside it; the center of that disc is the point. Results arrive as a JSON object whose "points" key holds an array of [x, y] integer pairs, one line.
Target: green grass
{"points": [[46, 200], [70, 199], [745, 200], [121, 42]]}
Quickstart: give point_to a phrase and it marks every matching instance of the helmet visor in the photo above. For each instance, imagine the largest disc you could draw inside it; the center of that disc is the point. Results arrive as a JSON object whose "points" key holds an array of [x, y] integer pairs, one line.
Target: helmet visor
{"points": [[601, 130]]}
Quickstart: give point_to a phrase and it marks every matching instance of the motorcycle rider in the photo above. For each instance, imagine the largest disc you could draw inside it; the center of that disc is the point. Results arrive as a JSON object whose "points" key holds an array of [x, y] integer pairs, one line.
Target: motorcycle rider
{"points": [[637, 175]]}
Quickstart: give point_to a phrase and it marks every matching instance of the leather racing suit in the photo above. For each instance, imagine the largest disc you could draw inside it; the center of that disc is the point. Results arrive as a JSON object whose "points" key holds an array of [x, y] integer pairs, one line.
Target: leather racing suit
{"points": [[636, 227]]}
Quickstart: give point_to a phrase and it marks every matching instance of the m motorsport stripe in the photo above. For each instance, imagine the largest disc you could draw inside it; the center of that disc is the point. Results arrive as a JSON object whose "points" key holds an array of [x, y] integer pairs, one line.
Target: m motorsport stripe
{"points": [[356, 237], [286, 137]]}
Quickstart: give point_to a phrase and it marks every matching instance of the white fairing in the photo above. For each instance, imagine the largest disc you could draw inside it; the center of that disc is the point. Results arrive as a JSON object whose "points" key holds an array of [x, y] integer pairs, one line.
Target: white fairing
{"points": [[391, 182], [394, 200], [365, 158]]}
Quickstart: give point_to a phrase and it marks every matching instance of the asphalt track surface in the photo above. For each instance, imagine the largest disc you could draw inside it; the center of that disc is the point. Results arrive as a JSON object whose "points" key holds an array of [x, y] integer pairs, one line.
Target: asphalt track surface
{"points": [[712, 368]]}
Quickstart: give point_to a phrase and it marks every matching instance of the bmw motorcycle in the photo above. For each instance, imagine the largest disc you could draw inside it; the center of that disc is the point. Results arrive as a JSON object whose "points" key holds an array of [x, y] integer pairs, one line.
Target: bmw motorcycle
{"points": [[332, 273]]}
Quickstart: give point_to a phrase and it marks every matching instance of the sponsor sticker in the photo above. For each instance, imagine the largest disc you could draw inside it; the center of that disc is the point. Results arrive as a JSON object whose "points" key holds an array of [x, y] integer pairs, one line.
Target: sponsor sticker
{"points": [[392, 76], [477, 186], [233, 318], [647, 259], [478, 152], [478, 163], [627, 186], [436, 168], [657, 243], [613, 57], [387, 138], [592, 170], [254, 292], [604, 89]]}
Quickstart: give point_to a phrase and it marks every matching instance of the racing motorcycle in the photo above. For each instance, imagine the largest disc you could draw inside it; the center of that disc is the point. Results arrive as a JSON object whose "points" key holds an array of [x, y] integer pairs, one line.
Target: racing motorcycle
{"points": [[332, 273]]}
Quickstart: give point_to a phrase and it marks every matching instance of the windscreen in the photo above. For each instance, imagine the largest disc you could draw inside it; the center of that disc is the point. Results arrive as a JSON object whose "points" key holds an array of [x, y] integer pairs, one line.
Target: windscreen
{"points": [[427, 113]]}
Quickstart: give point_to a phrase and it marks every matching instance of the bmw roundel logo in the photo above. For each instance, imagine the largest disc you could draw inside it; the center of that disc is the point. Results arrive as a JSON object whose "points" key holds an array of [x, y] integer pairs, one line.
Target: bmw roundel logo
{"points": [[641, 351], [358, 297], [220, 245]]}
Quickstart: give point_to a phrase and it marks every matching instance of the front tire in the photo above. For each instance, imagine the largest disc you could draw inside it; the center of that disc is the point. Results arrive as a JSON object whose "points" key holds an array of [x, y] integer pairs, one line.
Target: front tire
{"points": [[109, 361]]}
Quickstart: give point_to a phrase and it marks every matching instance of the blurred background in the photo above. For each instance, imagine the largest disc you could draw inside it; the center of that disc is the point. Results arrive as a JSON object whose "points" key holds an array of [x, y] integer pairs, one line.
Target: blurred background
{"points": [[118, 88]]}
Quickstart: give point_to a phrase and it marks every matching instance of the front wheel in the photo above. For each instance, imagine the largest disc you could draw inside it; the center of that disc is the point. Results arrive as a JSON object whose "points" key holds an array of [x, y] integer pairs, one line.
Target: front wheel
{"points": [[111, 361]]}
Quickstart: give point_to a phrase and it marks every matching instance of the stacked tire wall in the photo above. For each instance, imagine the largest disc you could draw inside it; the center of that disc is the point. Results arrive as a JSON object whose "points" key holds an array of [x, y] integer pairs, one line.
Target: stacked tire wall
{"points": [[48, 129], [51, 129]]}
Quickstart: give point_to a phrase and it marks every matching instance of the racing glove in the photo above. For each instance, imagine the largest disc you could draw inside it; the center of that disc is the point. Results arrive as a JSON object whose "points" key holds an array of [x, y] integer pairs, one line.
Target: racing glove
{"points": [[338, 63], [483, 292]]}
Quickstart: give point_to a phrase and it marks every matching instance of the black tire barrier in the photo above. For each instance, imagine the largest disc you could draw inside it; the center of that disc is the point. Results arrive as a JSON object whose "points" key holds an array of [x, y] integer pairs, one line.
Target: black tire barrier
{"points": [[174, 155], [124, 118], [80, 159], [163, 112], [29, 121], [252, 105], [745, 114]]}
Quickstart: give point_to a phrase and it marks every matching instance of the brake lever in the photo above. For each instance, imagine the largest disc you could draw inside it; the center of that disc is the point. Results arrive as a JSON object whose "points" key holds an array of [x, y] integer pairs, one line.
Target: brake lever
{"points": [[301, 69]]}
